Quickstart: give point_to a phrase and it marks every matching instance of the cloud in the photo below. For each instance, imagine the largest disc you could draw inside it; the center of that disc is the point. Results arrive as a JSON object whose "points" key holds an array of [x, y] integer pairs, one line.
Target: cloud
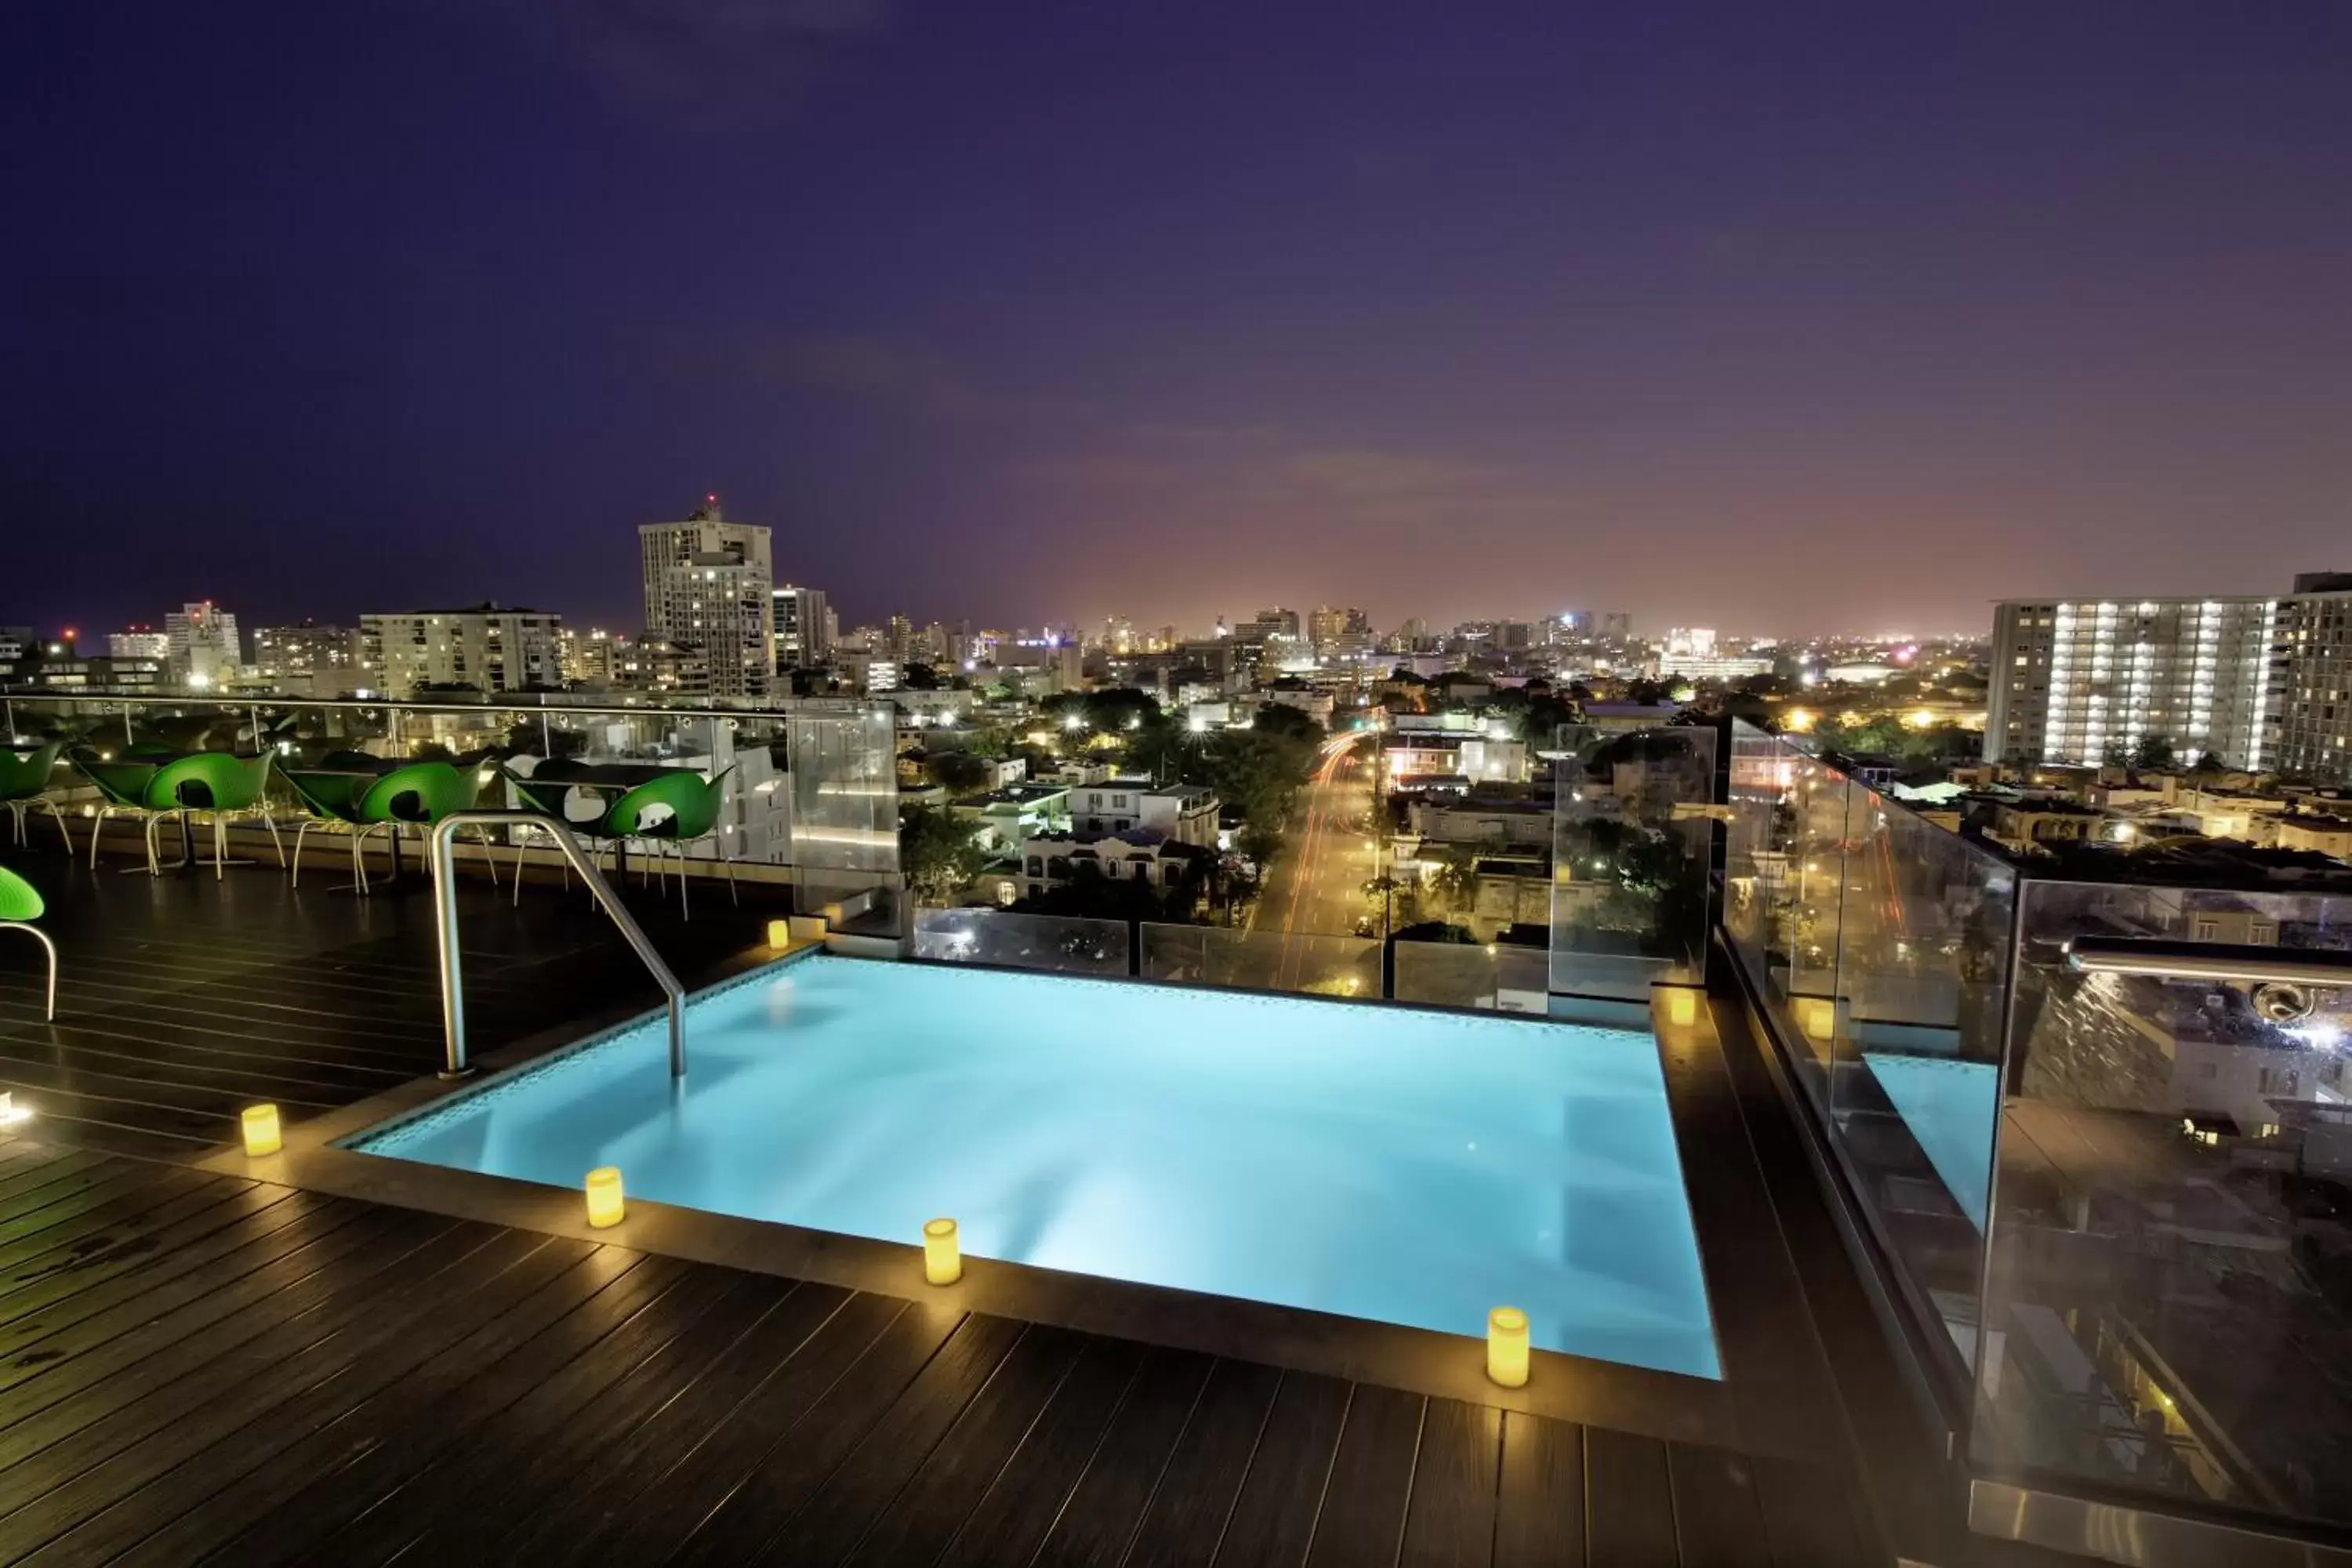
{"points": [[702, 61]]}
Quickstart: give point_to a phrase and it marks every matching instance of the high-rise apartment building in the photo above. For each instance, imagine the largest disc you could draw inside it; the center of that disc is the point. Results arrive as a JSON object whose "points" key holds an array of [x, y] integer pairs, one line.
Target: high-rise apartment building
{"points": [[710, 585], [139, 642], [803, 628], [205, 650], [2261, 683], [487, 648], [1327, 626], [309, 660], [2311, 671]]}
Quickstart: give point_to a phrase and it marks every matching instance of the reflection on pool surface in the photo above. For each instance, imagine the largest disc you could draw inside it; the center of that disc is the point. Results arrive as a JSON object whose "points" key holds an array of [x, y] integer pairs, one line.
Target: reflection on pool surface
{"points": [[1408, 1166]]}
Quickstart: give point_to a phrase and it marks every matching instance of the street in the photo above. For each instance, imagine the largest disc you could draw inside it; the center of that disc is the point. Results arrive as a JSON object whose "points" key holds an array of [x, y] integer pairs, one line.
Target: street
{"points": [[1317, 886]]}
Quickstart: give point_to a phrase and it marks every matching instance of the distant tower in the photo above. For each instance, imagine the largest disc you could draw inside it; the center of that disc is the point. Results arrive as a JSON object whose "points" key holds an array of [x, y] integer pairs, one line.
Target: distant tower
{"points": [[710, 585]]}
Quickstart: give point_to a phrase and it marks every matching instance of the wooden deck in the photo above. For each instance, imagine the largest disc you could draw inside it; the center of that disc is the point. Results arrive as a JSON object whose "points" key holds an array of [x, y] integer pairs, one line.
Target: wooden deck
{"points": [[182, 999], [196, 1365]]}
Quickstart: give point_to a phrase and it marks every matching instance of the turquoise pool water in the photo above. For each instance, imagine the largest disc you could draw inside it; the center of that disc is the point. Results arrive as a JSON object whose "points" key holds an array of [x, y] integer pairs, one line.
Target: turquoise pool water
{"points": [[1408, 1166], [1949, 1106]]}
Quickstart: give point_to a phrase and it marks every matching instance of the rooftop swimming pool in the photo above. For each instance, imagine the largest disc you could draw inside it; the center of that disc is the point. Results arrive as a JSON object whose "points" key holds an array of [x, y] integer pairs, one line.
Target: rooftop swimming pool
{"points": [[1408, 1166]]}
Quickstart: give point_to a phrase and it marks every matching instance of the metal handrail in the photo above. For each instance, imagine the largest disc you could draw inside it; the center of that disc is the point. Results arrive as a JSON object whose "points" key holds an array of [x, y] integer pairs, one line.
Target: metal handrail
{"points": [[2167, 959], [441, 853]]}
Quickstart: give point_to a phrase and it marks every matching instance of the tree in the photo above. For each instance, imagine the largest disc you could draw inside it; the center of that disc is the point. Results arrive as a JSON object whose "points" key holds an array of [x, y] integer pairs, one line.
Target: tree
{"points": [[1259, 846], [1111, 711], [2153, 754], [938, 853], [919, 678], [1282, 719], [958, 772]]}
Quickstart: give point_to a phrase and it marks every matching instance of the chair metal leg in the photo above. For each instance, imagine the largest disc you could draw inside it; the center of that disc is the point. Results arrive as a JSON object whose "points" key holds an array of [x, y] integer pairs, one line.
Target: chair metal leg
{"points": [[300, 829], [490, 854], [37, 935], [60, 818], [15, 816], [272, 822]]}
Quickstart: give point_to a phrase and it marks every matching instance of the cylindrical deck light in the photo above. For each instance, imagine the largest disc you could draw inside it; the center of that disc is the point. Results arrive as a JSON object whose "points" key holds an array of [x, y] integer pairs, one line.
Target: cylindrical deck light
{"points": [[779, 934], [605, 1203], [262, 1132], [942, 1252], [1682, 1006], [1506, 1347]]}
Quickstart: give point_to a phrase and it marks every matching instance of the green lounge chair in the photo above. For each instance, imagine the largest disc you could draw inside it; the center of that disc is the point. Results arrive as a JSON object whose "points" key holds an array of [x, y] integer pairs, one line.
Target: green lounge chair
{"points": [[544, 790], [121, 791], [20, 906], [688, 813], [218, 785], [329, 799], [419, 795], [24, 786]]}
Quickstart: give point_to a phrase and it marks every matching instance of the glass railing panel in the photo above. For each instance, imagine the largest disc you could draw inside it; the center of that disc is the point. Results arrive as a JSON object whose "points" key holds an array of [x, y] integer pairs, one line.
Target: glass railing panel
{"points": [[1923, 951], [1629, 848], [1502, 977], [1261, 961], [1055, 944], [2167, 1306], [1783, 874]]}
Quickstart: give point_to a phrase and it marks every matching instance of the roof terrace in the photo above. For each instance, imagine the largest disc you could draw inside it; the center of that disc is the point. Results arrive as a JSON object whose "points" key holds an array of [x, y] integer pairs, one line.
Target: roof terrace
{"points": [[349, 1348]]}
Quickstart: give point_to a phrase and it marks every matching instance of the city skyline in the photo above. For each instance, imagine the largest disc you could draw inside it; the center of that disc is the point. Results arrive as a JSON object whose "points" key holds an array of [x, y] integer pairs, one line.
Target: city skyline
{"points": [[1727, 316]]}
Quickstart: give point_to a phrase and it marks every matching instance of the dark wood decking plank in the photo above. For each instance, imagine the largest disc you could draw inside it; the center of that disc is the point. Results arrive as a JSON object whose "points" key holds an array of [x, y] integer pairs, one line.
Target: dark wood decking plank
{"points": [[838, 1513], [464, 1496], [310, 1058], [1540, 1506], [1101, 1516], [155, 1250], [401, 1387], [1282, 1498], [121, 1133], [103, 1463], [1811, 1517], [665, 1406], [130, 1129], [132, 1190], [1716, 1519], [1186, 1516], [401, 1470], [1629, 1501], [127, 1227], [873, 1340], [182, 1360], [74, 1165], [247, 1080], [1020, 1507], [212, 1280], [883, 1408], [917, 1523], [42, 1070], [750, 1397], [1371, 1480], [1452, 1521]]}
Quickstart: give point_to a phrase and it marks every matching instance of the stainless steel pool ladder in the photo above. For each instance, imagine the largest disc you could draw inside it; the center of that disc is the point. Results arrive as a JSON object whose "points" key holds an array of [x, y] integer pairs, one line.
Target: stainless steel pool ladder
{"points": [[441, 852]]}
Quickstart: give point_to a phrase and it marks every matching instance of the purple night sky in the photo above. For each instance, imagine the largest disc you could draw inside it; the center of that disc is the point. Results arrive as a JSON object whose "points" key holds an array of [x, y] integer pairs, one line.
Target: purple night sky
{"points": [[1780, 317]]}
